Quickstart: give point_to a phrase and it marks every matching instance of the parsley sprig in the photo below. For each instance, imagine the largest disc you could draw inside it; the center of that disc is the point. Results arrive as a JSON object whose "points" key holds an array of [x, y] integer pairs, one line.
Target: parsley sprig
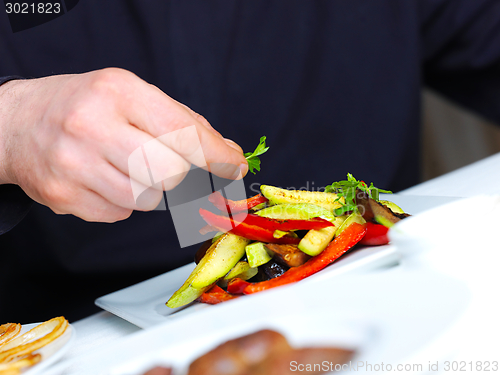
{"points": [[253, 157], [346, 189]]}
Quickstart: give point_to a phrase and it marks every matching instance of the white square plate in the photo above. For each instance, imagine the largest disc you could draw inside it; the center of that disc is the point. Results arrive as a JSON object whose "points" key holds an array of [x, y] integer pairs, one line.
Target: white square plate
{"points": [[143, 304]]}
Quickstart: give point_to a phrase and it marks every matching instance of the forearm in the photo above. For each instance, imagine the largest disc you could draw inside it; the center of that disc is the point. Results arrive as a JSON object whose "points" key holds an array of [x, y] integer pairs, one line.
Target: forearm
{"points": [[14, 203], [9, 102]]}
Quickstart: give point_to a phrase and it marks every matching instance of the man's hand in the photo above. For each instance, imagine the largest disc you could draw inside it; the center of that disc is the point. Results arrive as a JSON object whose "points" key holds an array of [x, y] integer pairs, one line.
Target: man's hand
{"points": [[66, 141]]}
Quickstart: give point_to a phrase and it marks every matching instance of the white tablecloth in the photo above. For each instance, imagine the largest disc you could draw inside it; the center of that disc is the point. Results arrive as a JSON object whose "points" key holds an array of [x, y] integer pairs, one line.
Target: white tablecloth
{"points": [[482, 177], [104, 329]]}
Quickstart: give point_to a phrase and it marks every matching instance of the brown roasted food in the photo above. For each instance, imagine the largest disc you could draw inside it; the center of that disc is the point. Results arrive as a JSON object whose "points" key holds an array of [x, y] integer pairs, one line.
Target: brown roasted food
{"points": [[266, 353], [159, 371], [17, 351], [8, 331], [307, 360], [370, 209], [289, 255]]}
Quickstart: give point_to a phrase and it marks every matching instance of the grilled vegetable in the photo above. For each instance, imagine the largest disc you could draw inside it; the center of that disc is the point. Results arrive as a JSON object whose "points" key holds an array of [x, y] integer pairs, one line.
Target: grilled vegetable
{"points": [[289, 255], [217, 262], [297, 234], [279, 196], [257, 254]]}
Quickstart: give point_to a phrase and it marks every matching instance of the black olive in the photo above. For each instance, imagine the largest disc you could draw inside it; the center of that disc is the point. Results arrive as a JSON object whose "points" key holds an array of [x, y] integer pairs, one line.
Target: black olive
{"points": [[270, 270]]}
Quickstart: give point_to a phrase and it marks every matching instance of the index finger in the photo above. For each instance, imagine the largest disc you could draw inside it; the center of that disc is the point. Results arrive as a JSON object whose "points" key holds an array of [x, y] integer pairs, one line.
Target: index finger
{"points": [[175, 126]]}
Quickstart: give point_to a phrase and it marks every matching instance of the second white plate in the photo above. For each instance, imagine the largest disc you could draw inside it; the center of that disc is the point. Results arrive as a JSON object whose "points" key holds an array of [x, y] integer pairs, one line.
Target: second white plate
{"points": [[51, 352]]}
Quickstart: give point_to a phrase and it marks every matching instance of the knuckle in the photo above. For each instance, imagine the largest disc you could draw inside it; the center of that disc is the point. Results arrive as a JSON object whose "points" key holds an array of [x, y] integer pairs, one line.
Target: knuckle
{"points": [[63, 159], [56, 194], [77, 121], [110, 81], [82, 122], [202, 119], [111, 74]]}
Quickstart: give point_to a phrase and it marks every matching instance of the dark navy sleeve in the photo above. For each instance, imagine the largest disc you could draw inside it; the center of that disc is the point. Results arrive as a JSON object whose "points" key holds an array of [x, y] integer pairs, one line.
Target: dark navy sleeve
{"points": [[14, 203], [461, 51]]}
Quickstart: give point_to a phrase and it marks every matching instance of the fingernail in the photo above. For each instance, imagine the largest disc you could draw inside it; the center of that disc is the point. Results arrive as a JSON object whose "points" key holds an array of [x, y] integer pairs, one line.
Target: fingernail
{"points": [[243, 169]]}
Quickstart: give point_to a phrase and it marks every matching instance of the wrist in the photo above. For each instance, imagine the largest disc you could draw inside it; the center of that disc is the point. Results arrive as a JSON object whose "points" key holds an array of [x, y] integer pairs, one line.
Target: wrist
{"points": [[9, 101]]}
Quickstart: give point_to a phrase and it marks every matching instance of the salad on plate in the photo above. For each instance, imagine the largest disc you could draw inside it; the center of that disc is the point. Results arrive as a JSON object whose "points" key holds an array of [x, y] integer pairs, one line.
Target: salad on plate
{"points": [[282, 236]]}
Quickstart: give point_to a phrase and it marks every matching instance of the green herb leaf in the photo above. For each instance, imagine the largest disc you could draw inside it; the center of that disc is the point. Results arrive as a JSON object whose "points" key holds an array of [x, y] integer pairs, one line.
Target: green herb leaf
{"points": [[253, 157], [347, 189]]}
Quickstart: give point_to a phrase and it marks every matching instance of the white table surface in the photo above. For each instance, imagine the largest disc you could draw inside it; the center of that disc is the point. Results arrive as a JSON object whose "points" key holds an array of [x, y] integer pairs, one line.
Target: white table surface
{"points": [[482, 177], [104, 329]]}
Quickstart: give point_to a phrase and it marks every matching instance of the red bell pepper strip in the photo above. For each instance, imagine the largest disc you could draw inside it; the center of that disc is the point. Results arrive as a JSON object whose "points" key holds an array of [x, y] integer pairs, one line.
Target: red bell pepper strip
{"points": [[227, 205], [253, 232], [241, 228], [376, 234], [340, 245], [285, 225], [237, 286], [215, 295], [263, 222]]}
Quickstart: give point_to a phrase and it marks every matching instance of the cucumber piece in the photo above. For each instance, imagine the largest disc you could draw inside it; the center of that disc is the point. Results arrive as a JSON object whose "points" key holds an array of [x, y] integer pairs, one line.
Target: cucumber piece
{"points": [[296, 211], [258, 207], [257, 254], [355, 217], [248, 274], [315, 241], [241, 270], [219, 259], [392, 206], [319, 198], [217, 236], [186, 293], [279, 234], [383, 221]]}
